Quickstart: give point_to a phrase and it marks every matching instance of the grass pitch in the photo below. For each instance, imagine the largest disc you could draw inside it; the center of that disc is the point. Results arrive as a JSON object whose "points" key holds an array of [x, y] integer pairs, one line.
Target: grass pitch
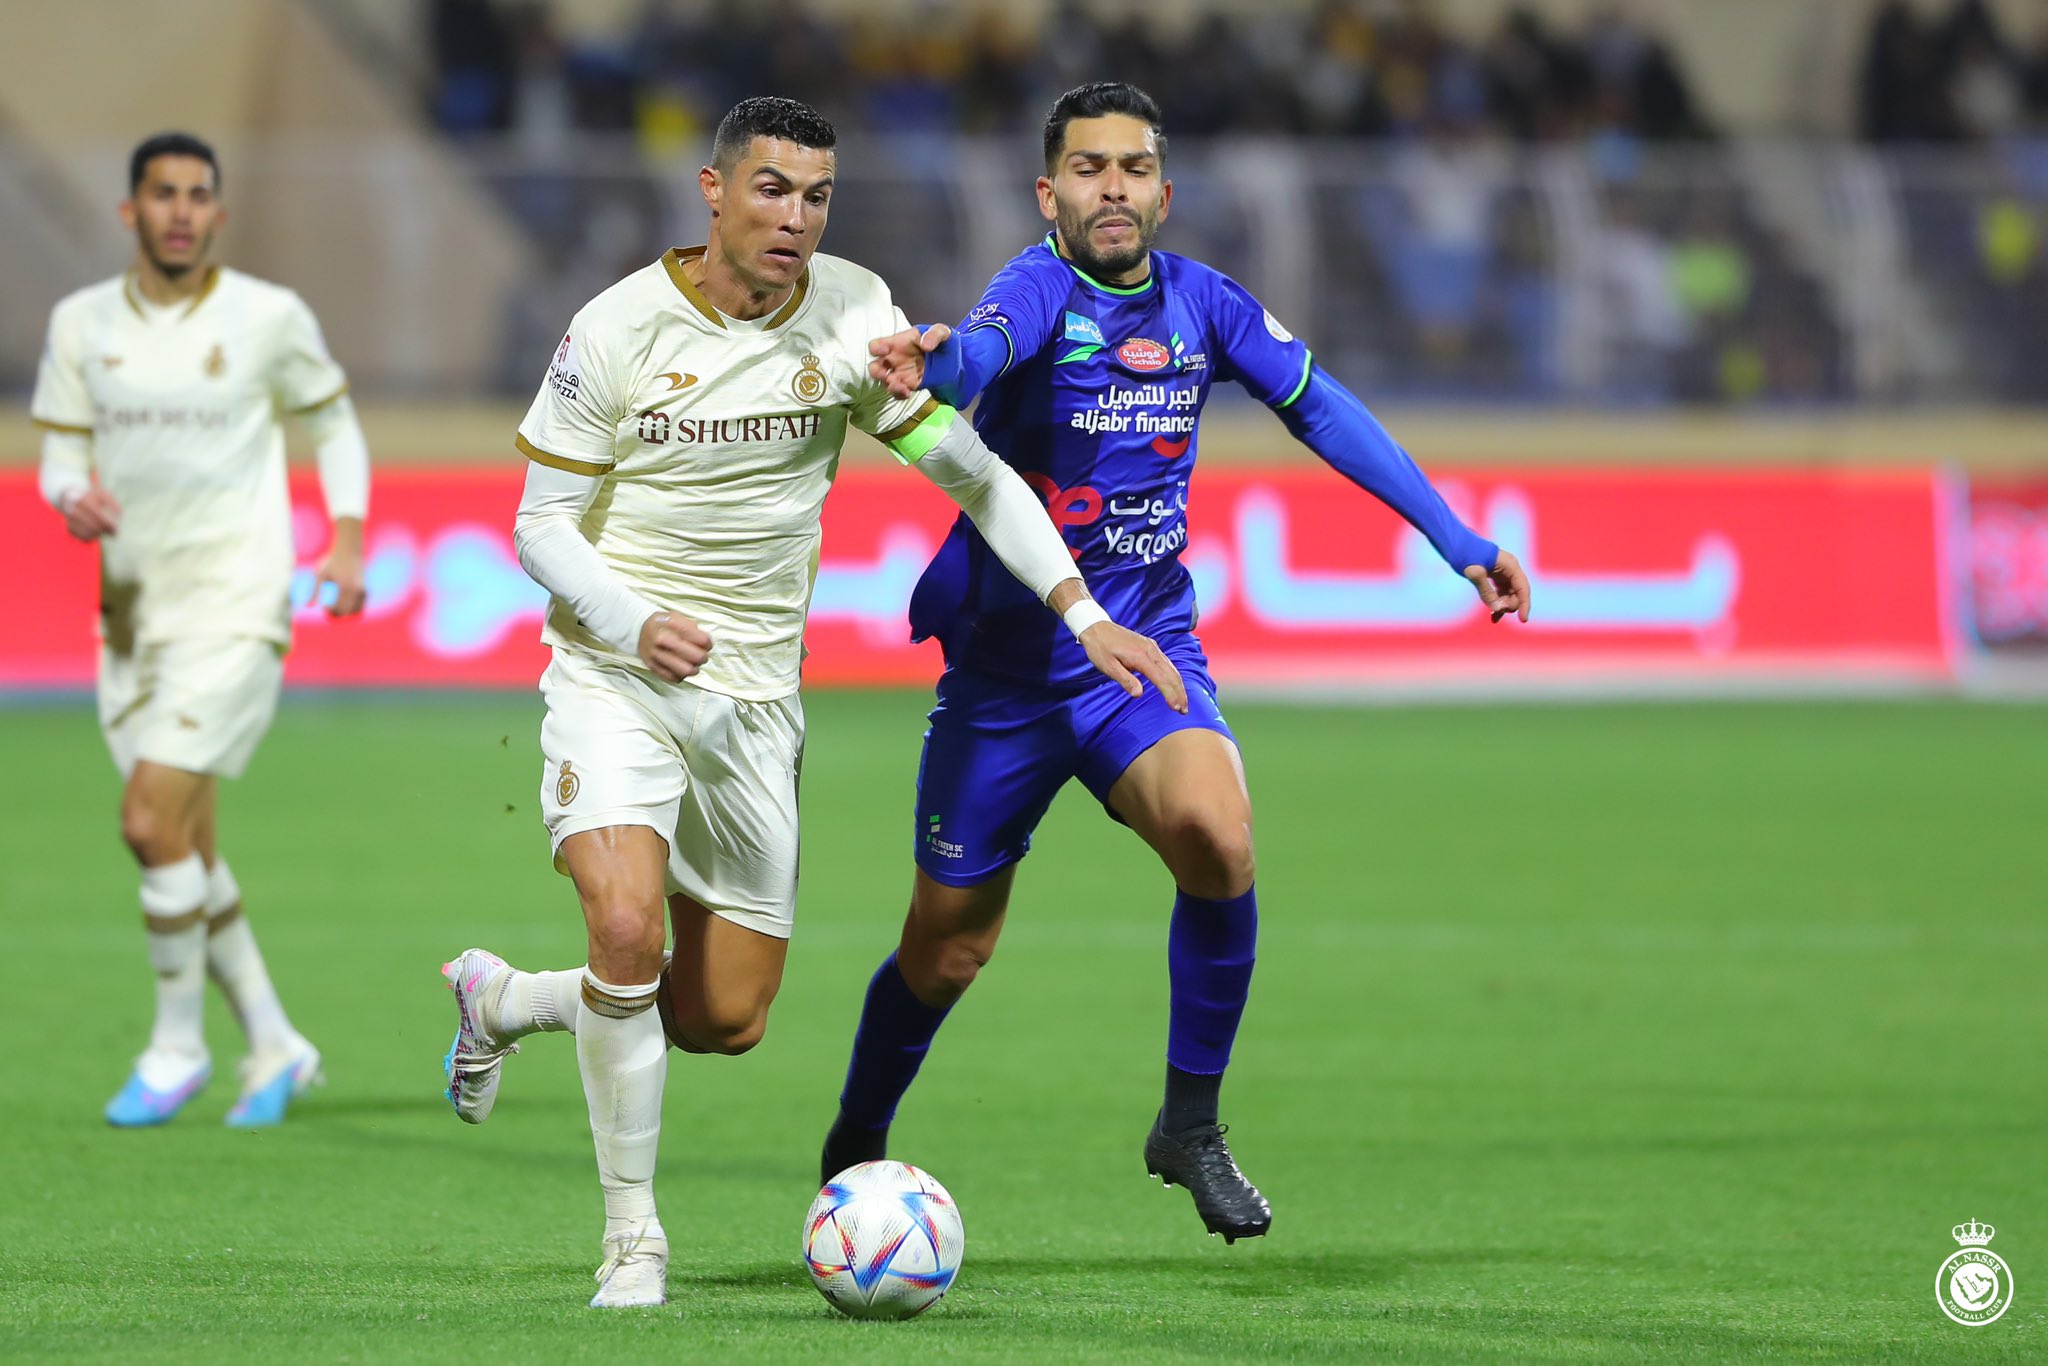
{"points": [[1579, 1033]]}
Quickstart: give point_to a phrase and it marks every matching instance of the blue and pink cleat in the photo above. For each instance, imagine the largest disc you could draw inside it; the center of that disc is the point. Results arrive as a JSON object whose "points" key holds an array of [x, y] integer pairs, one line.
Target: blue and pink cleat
{"points": [[138, 1105]]}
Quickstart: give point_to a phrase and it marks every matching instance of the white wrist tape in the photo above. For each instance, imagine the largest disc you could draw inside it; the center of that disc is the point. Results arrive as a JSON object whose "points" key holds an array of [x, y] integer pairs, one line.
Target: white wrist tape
{"points": [[1083, 614]]}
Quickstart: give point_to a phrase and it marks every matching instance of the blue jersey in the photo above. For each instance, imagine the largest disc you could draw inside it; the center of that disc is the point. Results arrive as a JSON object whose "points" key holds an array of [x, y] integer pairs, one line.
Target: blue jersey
{"points": [[1096, 405]]}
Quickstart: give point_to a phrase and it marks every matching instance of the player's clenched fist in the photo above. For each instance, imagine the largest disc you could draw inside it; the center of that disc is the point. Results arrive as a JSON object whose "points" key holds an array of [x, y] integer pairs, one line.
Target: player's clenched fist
{"points": [[899, 358], [1121, 654], [91, 514], [673, 646]]}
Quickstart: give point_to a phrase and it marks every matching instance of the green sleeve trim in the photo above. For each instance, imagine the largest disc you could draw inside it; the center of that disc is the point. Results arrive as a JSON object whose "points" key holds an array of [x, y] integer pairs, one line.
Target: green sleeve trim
{"points": [[1308, 363], [915, 444], [1008, 341]]}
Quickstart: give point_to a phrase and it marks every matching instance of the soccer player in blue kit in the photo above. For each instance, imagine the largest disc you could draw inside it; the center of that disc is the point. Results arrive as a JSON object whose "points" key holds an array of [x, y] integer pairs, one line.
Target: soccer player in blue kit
{"points": [[1092, 355]]}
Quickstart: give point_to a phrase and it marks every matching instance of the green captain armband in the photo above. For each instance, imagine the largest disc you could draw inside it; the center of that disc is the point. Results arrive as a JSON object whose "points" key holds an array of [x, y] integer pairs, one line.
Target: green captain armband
{"points": [[913, 441]]}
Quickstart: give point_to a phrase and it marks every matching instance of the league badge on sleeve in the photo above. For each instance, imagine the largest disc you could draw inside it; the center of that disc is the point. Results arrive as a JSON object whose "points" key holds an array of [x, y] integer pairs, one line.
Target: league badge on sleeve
{"points": [[565, 372]]}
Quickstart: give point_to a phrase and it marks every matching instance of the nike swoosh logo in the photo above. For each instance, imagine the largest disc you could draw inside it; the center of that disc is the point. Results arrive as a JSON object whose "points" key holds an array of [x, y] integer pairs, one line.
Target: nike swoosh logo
{"points": [[676, 381], [1172, 450]]}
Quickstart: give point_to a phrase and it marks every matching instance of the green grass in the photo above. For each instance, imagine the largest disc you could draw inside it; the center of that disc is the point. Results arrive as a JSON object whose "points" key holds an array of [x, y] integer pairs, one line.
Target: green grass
{"points": [[1579, 1033]]}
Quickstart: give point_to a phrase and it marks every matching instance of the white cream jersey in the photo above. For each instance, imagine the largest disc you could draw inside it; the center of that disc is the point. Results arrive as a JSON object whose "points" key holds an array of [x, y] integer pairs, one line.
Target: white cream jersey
{"points": [[182, 404], [716, 440]]}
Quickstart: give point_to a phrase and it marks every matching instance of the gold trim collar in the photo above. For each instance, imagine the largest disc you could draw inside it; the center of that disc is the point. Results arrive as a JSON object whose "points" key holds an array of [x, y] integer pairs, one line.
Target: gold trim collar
{"points": [[673, 261]]}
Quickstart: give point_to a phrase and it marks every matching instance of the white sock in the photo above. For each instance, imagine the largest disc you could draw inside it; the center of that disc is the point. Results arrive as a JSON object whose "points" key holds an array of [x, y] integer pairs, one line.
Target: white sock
{"points": [[174, 912], [236, 965], [624, 1059], [535, 1003]]}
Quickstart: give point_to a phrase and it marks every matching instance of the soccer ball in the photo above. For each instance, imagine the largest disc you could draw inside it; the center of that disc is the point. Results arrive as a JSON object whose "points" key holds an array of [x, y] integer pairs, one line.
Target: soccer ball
{"points": [[883, 1241]]}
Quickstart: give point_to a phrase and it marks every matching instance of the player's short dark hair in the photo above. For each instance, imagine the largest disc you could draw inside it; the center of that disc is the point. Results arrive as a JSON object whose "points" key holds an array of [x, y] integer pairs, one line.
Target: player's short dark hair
{"points": [[1094, 100], [769, 116], [169, 145]]}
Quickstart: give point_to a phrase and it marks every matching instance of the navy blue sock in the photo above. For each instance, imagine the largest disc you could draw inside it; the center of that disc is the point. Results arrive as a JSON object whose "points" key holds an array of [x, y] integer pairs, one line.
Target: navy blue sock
{"points": [[1210, 950], [895, 1032]]}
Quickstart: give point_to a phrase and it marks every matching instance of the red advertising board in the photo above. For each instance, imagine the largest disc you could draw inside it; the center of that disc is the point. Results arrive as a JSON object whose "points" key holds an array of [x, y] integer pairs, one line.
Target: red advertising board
{"points": [[1639, 574]]}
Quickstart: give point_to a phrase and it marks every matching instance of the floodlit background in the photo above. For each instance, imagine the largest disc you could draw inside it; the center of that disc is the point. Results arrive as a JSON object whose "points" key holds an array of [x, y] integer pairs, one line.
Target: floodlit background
{"points": [[1683, 1012]]}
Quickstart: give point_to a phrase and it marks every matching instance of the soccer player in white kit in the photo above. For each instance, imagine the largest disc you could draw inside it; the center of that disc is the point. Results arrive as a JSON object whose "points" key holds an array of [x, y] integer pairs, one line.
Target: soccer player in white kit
{"points": [[682, 445], [160, 395]]}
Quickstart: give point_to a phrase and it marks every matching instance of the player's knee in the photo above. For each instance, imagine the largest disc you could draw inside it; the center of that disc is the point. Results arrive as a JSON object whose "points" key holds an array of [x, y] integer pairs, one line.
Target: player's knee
{"points": [[1213, 856], [956, 965], [938, 968], [151, 835], [726, 1034], [626, 938]]}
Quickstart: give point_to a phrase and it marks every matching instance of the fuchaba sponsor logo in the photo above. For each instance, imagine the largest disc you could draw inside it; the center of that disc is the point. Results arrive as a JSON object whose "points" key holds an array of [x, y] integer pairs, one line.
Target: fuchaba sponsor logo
{"points": [[1142, 353]]}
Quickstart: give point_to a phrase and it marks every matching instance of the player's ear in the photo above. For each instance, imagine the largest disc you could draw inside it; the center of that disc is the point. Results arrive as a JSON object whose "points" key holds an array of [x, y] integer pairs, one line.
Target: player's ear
{"points": [[126, 210], [712, 185], [1165, 199], [1048, 208]]}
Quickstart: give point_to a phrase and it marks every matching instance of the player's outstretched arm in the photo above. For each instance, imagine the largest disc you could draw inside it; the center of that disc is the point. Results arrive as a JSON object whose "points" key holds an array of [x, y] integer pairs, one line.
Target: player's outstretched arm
{"points": [[548, 536], [1331, 421], [1013, 522], [953, 366]]}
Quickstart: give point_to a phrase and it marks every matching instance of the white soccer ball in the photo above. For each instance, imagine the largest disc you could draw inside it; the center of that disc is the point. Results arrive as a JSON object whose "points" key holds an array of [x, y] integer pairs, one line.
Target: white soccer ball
{"points": [[883, 1241]]}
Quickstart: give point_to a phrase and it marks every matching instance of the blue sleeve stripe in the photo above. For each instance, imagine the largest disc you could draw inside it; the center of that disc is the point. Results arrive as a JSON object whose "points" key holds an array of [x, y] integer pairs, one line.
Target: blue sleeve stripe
{"points": [[1308, 360]]}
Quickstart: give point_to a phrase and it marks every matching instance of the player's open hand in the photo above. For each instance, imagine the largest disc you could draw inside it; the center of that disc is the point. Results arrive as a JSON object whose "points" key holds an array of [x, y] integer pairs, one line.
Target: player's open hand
{"points": [[91, 515], [343, 567], [1504, 588], [673, 646], [899, 359], [1127, 656]]}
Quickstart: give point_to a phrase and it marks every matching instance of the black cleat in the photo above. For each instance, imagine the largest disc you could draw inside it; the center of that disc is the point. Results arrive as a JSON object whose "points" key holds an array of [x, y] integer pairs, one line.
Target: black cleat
{"points": [[849, 1145], [1199, 1159]]}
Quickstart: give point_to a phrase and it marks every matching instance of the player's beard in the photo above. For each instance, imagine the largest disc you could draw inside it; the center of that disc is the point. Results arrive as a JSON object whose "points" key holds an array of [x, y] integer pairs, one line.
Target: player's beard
{"points": [[176, 270], [1074, 229]]}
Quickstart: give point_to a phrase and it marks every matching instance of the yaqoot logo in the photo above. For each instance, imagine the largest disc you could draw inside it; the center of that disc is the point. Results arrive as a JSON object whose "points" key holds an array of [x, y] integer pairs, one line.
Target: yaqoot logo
{"points": [[1974, 1286]]}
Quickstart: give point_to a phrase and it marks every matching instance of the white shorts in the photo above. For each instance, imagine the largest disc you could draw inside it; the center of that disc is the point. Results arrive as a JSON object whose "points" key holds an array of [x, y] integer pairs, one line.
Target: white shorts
{"points": [[199, 704], [713, 775]]}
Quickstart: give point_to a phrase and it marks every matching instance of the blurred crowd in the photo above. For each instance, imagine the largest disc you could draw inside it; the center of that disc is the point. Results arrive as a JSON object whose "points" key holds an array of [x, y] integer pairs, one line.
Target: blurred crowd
{"points": [[1963, 104], [1950, 75], [1371, 68], [1462, 262]]}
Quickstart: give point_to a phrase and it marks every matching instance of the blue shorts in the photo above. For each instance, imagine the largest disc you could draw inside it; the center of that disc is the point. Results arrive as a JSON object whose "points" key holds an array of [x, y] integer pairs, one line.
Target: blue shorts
{"points": [[997, 752]]}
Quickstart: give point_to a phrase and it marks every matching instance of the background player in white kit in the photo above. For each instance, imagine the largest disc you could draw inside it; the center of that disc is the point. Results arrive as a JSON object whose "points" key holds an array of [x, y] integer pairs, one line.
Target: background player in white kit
{"points": [[682, 446], [160, 394]]}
